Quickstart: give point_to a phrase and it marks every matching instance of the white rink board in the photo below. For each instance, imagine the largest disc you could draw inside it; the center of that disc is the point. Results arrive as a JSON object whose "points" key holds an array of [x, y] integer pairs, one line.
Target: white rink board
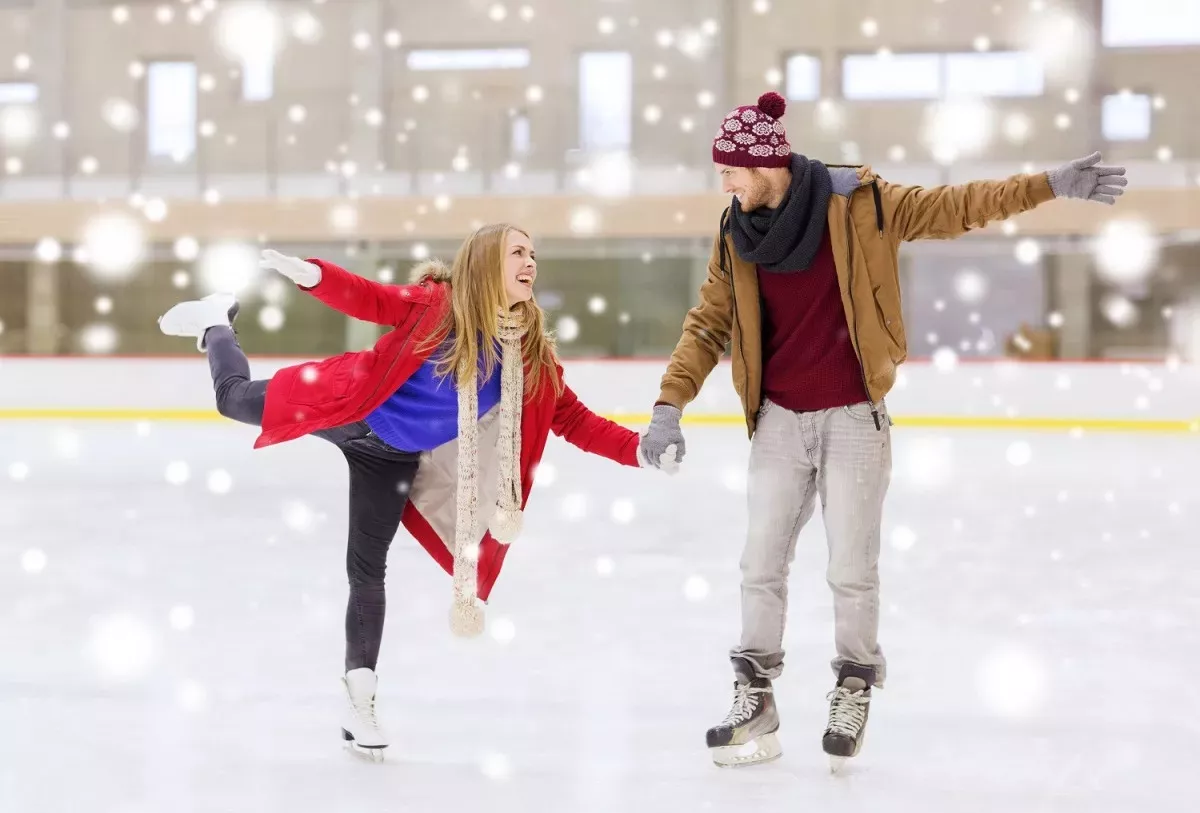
{"points": [[1001, 389]]}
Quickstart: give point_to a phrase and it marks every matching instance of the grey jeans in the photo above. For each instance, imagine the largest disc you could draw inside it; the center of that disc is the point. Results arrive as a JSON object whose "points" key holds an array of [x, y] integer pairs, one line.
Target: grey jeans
{"points": [[839, 456], [380, 478]]}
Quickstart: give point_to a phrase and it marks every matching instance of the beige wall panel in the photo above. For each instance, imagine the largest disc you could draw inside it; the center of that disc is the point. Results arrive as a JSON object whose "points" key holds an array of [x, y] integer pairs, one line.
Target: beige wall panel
{"points": [[1170, 210]]}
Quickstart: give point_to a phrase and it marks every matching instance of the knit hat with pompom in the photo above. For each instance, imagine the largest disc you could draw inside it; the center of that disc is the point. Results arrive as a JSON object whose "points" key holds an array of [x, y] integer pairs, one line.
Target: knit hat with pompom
{"points": [[753, 136]]}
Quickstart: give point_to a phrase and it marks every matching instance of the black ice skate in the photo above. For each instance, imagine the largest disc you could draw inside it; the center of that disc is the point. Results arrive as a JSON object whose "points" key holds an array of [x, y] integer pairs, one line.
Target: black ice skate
{"points": [[747, 735], [848, 708]]}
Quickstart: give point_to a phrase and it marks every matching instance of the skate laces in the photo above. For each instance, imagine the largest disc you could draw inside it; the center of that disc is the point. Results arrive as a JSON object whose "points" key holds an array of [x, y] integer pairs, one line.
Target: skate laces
{"points": [[364, 709], [746, 699], [847, 712]]}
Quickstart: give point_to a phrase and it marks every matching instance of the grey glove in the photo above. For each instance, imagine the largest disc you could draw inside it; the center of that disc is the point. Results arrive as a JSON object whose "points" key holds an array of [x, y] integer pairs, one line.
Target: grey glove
{"points": [[1088, 179], [662, 433]]}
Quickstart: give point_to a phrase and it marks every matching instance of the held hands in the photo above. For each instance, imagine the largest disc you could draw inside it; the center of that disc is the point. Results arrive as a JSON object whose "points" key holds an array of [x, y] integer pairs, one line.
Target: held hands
{"points": [[662, 445], [1088, 179], [301, 272]]}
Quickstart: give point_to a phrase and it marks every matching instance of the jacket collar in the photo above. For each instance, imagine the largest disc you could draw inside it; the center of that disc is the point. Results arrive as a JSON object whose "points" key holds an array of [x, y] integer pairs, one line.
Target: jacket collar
{"points": [[435, 270]]}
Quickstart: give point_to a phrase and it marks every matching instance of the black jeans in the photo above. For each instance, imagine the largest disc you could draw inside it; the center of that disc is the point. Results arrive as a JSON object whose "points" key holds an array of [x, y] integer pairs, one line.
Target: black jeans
{"points": [[380, 478]]}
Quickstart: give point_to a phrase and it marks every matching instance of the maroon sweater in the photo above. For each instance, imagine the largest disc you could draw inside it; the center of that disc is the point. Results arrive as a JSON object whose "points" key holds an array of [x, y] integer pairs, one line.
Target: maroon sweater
{"points": [[808, 359]]}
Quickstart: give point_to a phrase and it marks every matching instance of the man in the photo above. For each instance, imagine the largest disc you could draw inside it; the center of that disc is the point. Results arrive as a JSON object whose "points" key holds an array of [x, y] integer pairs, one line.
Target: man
{"points": [[804, 280]]}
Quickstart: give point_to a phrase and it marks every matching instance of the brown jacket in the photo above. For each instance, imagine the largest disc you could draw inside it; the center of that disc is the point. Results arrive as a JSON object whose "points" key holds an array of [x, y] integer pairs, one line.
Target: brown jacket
{"points": [[868, 219]]}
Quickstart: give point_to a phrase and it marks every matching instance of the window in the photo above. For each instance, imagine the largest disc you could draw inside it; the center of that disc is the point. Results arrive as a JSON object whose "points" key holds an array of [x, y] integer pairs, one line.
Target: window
{"points": [[171, 109], [605, 100], [1125, 117], [1003, 73], [491, 59], [803, 81], [250, 32], [935, 76], [896, 76], [258, 76], [1147, 23], [18, 93], [519, 136]]}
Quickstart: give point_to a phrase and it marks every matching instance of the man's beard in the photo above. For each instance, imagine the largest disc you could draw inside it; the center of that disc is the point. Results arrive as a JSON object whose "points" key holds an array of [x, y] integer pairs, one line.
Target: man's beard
{"points": [[757, 194]]}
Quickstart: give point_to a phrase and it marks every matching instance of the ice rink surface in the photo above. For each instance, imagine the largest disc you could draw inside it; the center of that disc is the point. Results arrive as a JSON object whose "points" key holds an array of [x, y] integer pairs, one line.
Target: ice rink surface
{"points": [[171, 614]]}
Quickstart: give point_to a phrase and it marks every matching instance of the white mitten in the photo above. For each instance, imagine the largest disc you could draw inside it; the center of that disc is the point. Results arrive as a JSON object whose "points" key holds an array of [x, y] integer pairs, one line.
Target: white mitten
{"points": [[301, 272]]}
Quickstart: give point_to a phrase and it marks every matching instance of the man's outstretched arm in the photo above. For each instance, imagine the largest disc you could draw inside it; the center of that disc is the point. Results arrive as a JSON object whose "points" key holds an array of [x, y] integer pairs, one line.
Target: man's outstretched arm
{"points": [[942, 212]]}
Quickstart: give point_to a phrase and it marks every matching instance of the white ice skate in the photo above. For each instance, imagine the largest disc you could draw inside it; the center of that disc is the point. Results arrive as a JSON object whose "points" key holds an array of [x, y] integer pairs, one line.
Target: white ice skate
{"points": [[193, 318], [360, 728]]}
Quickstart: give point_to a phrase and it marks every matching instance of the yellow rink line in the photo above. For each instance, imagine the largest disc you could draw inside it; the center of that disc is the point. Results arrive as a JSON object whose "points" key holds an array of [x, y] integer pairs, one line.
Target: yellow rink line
{"points": [[1130, 425]]}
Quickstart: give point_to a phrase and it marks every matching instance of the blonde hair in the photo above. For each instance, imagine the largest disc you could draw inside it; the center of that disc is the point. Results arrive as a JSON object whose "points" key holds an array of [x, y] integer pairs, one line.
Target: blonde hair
{"points": [[471, 323]]}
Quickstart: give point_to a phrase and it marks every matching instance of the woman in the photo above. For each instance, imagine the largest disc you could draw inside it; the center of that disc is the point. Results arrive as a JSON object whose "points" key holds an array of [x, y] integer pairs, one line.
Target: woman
{"points": [[442, 423]]}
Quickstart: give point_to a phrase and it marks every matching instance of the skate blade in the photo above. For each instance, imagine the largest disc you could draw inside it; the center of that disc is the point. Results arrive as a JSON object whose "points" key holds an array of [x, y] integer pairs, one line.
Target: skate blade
{"points": [[837, 764], [363, 752], [374, 755], [759, 750]]}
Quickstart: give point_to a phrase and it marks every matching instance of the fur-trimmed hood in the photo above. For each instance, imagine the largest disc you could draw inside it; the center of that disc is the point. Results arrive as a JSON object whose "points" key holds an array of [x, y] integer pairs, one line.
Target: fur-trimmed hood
{"points": [[436, 270]]}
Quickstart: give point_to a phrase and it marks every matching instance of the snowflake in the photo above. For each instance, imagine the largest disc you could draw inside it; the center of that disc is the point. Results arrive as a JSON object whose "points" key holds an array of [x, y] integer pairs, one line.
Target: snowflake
{"points": [[496, 767], [903, 538], [33, 560], [192, 695], [696, 588], [182, 617], [503, 630]]}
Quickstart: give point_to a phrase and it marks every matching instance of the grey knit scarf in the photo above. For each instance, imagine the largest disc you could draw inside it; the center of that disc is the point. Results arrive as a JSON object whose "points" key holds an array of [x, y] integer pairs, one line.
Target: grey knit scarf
{"points": [[786, 238]]}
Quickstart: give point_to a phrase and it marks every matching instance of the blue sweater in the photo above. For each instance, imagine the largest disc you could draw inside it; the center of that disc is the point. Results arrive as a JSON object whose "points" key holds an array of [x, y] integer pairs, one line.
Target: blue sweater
{"points": [[423, 413]]}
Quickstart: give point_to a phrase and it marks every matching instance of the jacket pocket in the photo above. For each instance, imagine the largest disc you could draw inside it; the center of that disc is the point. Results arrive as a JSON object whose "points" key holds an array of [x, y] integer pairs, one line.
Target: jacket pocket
{"points": [[891, 322], [885, 291], [324, 382]]}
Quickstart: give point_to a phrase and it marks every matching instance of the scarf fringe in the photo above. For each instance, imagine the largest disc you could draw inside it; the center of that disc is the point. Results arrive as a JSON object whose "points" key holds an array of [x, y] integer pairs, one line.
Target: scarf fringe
{"points": [[466, 614]]}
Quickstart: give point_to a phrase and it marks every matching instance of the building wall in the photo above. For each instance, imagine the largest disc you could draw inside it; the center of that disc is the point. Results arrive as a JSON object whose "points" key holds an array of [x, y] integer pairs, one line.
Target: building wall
{"points": [[420, 157], [832, 30], [719, 55], [338, 84]]}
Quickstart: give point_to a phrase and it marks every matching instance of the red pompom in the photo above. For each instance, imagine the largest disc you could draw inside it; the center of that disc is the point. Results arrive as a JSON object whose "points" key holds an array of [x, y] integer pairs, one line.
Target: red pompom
{"points": [[772, 104]]}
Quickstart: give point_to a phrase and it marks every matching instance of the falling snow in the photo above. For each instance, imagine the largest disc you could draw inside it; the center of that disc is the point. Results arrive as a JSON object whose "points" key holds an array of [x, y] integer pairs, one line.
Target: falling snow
{"points": [[1023, 535]]}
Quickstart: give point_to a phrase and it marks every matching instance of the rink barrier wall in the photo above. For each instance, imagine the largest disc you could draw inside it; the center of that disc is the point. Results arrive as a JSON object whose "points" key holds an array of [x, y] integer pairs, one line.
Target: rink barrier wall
{"points": [[1141, 397], [636, 419]]}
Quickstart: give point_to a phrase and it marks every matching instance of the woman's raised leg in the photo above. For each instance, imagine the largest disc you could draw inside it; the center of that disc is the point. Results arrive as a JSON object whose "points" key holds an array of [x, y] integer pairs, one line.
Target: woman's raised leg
{"points": [[210, 322]]}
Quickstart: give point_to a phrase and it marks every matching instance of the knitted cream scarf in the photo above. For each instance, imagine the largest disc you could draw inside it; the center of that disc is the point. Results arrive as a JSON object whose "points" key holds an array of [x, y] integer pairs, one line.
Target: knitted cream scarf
{"points": [[466, 616]]}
